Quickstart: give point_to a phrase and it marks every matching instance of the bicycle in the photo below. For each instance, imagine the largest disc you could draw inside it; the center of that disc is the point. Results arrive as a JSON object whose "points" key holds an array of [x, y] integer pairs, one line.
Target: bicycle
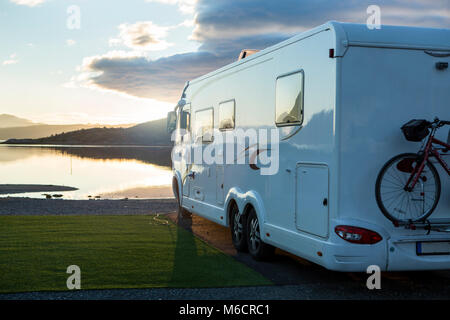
{"points": [[408, 187]]}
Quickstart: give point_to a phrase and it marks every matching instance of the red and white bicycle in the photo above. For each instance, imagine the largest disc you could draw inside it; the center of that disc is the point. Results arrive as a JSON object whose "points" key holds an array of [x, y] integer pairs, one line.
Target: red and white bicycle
{"points": [[408, 186]]}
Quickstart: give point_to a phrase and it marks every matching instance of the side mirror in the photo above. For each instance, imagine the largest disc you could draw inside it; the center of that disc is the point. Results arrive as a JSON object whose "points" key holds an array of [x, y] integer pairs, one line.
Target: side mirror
{"points": [[171, 121], [185, 120]]}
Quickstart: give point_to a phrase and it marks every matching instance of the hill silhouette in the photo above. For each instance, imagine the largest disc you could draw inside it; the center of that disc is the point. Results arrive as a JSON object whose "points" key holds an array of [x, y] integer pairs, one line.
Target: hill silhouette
{"points": [[9, 121], [12, 127], [152, 133], [45, 130]]}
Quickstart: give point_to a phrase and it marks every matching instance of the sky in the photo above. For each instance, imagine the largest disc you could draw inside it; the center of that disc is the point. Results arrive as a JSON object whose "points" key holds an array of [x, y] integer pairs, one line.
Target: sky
{"points": [[126, 61]]}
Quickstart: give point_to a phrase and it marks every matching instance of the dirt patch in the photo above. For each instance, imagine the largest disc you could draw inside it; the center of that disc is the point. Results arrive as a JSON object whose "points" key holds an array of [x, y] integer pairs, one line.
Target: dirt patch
{"points": [[210, 232], [283, 269]]}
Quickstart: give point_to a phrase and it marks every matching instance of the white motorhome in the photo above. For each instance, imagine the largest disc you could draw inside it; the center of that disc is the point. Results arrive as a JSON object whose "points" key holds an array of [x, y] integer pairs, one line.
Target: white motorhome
{"points": [[337, 96]]}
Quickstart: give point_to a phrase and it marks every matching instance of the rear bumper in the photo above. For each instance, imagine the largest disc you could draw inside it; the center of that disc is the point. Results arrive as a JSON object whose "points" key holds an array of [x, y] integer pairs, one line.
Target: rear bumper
{"points": [[402, 255], [347, 257], [396, 252], [389, 255]]}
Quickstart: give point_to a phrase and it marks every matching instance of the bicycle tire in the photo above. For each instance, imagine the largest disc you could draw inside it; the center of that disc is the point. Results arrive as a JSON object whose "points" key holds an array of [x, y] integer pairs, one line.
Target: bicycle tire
{"points": [[379, 181]]}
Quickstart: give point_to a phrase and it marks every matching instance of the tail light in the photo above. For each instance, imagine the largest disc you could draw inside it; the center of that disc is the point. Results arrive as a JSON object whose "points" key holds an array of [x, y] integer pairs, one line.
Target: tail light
{"points": [[357, 235]]}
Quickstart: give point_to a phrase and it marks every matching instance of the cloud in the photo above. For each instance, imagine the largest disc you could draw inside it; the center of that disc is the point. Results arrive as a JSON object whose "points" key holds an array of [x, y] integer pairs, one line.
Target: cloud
{"points": [[225, 27], [29, 3], [70, 42], [159, 79], [12, 60], [143, 35], [234, 18], [185, 6]]}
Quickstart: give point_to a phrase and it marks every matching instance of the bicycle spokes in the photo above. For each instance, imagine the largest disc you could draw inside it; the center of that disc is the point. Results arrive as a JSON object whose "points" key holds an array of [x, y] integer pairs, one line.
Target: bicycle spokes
{"points": [[398, 199]]}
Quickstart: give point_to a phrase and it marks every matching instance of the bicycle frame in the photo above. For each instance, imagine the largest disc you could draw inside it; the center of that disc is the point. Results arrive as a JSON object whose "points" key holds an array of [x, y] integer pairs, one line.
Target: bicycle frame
{"points": [[428, 152]]}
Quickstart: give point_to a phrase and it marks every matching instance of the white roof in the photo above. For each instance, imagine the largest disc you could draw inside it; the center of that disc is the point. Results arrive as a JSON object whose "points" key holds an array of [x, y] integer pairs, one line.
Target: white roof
{"points": [[352, 34], [395, 36]]}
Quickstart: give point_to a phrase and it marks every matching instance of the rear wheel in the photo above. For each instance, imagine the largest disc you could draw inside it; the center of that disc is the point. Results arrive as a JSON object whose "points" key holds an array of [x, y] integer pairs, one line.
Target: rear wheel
{"points": [[398, 203], [257, 248], [238, 229]]}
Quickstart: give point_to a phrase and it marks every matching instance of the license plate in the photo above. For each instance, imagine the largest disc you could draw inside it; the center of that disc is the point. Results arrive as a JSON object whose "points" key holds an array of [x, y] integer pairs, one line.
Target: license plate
{"points": [[432, 247]]}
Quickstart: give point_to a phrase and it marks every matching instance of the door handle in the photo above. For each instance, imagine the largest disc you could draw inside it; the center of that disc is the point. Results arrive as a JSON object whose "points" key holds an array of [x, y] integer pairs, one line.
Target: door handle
{"points": [[191, 175]]}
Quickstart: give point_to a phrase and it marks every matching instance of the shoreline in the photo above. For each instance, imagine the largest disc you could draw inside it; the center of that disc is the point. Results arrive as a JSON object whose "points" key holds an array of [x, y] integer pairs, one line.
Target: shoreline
{"points": [[28, 188]]}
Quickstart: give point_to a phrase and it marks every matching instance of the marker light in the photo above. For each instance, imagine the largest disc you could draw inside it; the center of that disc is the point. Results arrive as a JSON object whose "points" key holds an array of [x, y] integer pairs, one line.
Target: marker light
{"points": [[331, 53], [357, 235]]}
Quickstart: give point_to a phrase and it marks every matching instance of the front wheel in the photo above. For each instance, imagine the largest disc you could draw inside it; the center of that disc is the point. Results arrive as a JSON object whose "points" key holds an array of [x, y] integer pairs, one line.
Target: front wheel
{"points": [[400, 204], [256, 247], [238, 229]]}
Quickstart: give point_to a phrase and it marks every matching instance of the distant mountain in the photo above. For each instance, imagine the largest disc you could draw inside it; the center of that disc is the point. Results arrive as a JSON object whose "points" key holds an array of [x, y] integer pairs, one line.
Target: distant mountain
{"points": [[152, 133], [12, 127], [45, 130], [9, 121]]}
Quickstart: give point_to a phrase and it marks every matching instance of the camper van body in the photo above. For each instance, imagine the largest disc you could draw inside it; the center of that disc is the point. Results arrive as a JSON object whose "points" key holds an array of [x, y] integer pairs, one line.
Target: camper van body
{"points": [[359, 87]]}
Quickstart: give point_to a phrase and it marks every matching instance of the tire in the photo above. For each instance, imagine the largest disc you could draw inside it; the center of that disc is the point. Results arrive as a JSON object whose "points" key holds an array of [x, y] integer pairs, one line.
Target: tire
{"points": [[256, 247], [182, 212], [238, 228], [391, 195]]}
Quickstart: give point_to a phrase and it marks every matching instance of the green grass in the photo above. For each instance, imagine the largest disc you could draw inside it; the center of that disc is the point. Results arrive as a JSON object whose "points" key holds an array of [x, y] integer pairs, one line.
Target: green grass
{"points": [[112, 252]]}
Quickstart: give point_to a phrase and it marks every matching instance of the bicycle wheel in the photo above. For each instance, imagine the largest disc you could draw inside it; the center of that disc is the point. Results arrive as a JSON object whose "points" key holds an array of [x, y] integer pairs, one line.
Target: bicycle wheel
{"points": [[400, 205]]}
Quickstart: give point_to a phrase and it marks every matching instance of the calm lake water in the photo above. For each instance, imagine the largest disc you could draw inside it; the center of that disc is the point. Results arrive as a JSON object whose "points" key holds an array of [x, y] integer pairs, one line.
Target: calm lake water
{"points": [[108, 172]]}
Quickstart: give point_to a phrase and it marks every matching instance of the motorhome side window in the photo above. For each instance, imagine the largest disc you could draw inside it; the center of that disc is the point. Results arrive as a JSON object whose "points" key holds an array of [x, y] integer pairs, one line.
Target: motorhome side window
{"points": [[204, 124], [226, 115], [289, 99]]}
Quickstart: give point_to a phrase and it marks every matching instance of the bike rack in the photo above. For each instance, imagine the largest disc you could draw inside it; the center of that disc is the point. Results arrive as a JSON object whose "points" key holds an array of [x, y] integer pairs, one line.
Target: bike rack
{"points": [[424, 225]]}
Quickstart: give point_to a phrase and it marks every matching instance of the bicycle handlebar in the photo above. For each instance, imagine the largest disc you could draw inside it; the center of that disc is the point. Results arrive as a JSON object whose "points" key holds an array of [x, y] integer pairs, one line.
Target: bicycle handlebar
{"points": [[438, 122]]}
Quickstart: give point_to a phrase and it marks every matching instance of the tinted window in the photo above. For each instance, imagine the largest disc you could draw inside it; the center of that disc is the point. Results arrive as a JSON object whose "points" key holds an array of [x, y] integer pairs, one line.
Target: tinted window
{"points": [[204, 123], [226, 115], [289, 99]]}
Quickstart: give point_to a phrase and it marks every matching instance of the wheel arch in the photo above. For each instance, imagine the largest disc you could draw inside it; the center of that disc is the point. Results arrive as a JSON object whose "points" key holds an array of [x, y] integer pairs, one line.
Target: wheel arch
{"points": [[176, 182], [245, 201]]}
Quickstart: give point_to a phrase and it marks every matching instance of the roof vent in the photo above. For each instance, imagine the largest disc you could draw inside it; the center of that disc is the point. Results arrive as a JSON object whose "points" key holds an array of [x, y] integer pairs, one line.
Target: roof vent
{"points": [[247, 52]]}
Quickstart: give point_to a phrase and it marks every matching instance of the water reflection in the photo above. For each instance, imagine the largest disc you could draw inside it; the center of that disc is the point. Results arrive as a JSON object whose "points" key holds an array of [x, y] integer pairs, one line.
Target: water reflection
{"points": [[111, 172]]}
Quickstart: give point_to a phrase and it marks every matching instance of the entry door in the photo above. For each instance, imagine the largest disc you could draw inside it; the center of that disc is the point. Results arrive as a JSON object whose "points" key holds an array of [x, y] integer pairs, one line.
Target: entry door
{"points": [[312, 199], [203, 180]]}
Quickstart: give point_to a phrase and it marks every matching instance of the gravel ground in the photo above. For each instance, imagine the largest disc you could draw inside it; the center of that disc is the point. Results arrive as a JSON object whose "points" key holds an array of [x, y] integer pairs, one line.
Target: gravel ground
{"points": [[158, 294], [286, 292], [28, 206]]}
